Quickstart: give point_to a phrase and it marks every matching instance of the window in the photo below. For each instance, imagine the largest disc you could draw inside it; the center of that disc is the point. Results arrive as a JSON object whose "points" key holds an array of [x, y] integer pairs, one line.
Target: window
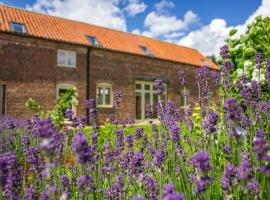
{"points": [[104, 95], [184, 100], [62, 89], [93, 41], [146, 94], [146, 51], [2, 100], [18, 27], [204, 62], [66, 58]]}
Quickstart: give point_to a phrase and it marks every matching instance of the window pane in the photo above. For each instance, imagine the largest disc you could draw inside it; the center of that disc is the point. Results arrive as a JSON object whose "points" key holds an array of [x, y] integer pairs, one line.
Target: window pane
{"points": [[147, 87], [61, 57], [138, 105], [18, 27], [138, 86], [99, 96], [108, 96], [71, 59]]}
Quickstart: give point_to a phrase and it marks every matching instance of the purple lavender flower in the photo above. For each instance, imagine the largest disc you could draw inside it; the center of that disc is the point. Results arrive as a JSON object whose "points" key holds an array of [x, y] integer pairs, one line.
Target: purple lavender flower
{"points": [[245, 169], [44, 196], [181, 77], [225, 52], [138, 133], [69, 114], [232, 109], [13, 181], [159, 87], [175, 131], [137, 162], [152, 188], [65, 182], [30, 193], [129, 140], [117, 100], [80, 147], [259, 60], [168, 189], [201, 184], [34, 159], [43, 128], [159, 158], [210, 124], [119, 140], [260, 146], [86, 182], [149, 111], [254, 187], [91, 105], [228, 178], [201, 161]]}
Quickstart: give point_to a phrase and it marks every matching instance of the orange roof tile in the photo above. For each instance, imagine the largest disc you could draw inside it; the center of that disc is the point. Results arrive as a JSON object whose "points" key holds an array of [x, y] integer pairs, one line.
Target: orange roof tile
{"points": [[56, 28]]}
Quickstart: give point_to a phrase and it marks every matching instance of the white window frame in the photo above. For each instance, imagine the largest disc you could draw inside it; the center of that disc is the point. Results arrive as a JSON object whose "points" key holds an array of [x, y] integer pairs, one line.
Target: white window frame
{"points": [[17, 23], [103, 105], [65, 86], [66, 52], [183, 92], [143, 91]]}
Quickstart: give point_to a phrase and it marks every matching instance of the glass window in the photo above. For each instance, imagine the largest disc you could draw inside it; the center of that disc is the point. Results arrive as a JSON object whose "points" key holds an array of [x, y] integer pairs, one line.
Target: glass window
{"points": [[18, 27], [145, 94], [93, 41], [66, 58], [146, 51], [104, 95]]}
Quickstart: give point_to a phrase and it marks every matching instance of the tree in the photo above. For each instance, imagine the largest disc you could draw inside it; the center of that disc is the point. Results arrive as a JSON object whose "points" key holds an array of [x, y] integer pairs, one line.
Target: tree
{"points": [[243, 49]]}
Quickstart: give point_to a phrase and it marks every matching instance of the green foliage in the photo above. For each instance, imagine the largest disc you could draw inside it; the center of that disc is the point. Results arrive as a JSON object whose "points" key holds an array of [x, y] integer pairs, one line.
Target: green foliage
{"points": [[66, 100], [255, 39]]}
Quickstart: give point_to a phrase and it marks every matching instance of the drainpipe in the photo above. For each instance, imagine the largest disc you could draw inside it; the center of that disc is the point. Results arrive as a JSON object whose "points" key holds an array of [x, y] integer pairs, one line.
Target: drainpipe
{"points": [[88, 80]]}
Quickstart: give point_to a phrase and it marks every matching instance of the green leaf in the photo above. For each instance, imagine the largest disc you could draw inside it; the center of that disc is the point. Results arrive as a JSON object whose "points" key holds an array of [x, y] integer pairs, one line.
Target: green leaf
{"points": [[232, 32], [249, 52]]}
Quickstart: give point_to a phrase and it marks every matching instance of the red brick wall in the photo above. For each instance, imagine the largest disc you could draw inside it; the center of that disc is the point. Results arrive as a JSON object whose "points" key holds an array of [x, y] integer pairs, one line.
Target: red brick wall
{"points": [[28, 67], [122, 70]]}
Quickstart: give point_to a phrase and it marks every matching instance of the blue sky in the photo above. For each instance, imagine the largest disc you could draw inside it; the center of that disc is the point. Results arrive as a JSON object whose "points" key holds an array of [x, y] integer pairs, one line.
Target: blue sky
{"points": [[202, 24]]}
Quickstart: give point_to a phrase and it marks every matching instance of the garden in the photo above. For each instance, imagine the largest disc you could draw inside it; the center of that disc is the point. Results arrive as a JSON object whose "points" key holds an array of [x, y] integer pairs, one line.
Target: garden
{"points": [[217, 148]]}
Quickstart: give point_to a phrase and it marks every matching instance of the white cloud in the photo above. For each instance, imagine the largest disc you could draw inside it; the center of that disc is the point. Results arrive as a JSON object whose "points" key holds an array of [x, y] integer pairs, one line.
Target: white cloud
{"points": [[163, 6], [100, 12], [135, 7], [210, 37], [158, 24], [174, 35]]}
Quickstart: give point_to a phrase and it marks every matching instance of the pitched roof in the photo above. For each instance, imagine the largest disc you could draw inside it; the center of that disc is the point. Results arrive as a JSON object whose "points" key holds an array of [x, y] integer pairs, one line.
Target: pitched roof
{"points": [[56, 28]]}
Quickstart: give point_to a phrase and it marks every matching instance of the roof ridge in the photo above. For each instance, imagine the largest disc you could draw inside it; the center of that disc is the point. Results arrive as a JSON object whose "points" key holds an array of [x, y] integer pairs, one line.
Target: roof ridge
{"points": [[77, 21]]}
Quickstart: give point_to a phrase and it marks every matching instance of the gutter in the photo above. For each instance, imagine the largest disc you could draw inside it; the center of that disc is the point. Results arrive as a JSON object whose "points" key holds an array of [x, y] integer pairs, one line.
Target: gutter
{"points": [[88, 80]]}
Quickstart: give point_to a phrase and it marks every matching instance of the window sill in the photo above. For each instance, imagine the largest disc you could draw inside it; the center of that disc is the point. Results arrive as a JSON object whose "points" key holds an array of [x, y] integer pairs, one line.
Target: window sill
{"points": [[104, 106], [67, 66]]}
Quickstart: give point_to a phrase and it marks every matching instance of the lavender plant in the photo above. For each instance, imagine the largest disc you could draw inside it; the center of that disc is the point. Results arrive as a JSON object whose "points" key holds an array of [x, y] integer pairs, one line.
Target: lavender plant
{"points": [[215, 148]]}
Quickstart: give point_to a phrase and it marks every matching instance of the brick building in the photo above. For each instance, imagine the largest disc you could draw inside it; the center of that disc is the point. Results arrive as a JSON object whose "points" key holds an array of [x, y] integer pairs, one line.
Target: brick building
{"points": [[42, 55]]}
